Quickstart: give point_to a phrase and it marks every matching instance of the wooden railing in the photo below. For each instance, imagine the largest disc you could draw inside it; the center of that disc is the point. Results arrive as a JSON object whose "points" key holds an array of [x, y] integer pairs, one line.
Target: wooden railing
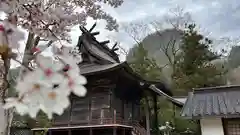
{"points": [[89, 122], [138, 129], [104, 121]]}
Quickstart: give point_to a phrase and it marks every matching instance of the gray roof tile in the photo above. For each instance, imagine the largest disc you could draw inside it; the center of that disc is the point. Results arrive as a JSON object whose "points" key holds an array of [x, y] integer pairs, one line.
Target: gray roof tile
{"points": [[93, 68], [213, 102]]}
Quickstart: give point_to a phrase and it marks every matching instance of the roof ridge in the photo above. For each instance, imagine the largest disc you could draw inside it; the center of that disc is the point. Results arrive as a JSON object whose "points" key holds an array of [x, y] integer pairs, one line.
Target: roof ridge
{"points": [[100, 45], [179, 96], [215, 88]]}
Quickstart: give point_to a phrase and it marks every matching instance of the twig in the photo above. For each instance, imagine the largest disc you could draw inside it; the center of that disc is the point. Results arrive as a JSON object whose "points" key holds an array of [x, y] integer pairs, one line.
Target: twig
{"points": [[5, 83], [27, 67], [125, 52]]}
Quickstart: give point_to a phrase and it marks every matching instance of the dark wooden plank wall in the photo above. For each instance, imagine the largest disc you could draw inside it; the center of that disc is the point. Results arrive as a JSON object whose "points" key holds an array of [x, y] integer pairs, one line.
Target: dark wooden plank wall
{"points": [[117, 105], [127, 111], [62, 118], [136, 111], [80, 110], [100, 105], [95, 105]]}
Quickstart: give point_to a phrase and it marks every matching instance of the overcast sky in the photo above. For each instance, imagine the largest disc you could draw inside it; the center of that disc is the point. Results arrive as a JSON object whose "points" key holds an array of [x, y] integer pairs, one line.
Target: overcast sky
{"points": [[220, 17]]}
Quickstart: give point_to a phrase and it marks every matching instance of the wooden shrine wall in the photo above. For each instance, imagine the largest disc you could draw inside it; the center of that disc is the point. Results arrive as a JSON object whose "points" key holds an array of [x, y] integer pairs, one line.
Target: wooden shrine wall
{"points": [[99, 103], [84, 109]]}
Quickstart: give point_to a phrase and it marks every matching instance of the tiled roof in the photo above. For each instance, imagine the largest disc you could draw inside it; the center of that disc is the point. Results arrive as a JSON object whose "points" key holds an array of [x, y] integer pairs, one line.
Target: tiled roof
{"points": [[221, 101], [158, 87], [94, 68]]}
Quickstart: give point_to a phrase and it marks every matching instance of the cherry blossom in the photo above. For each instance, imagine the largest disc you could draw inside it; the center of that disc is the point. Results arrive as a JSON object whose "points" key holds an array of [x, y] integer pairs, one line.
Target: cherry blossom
{"points": [[68, 55], [19, 105], [71, 56], [33, 108], [55, 102], [53, 19], [76, 85], [13, 34], [49, 82], [49, 85], [48, 65], [39, 90]]}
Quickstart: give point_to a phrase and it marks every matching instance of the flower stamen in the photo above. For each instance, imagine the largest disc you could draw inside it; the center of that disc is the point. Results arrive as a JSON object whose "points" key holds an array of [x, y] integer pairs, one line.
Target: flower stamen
{"points": [[36, 86], [52, 95], [48, 72]]}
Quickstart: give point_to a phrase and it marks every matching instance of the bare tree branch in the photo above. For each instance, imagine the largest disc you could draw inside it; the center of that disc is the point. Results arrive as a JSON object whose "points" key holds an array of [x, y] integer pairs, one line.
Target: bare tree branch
{"points": [[178, 17], [122, 50], [137, 31]]}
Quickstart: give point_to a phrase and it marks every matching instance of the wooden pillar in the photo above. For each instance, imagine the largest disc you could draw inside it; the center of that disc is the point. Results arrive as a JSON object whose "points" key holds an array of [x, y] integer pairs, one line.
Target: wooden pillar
{"points": [[174, 115], [122, 109], [70, 112], [91, 131], [69, 132], [125, 111], [155, 108], [49, 131], [90, 110], [102, 116], [123, 131], [146, 109], [114, 130], [111, 104], [114, 116], [133, 113]]}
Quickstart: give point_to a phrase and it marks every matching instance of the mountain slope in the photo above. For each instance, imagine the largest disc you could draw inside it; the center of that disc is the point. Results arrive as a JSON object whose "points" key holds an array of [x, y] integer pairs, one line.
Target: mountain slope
{"points": [[157, 44]]}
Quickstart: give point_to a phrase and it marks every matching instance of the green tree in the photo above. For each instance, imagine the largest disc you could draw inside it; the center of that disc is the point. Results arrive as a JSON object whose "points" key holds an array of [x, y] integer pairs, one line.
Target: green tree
{"points": [[194, 68], [233, 58], [145, 66], [149, 70]]}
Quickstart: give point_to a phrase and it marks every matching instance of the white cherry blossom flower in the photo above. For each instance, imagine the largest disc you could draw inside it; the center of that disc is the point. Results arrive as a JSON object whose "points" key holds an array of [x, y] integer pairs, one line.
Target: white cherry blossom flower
{"points": [[44, 91], [72, 55], [48, 64], [55, 101], [50, 20], [76, 85], [70, 59], [16, 103], [33, 108], [30, 84], [14, 35], [60, 15], [74, 81], [68, 55], [23, 106]]}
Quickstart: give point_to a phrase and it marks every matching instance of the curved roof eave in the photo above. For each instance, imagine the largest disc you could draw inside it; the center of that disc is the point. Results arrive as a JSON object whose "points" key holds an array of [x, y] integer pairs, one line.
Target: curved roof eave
{"points": [[157, 87]]}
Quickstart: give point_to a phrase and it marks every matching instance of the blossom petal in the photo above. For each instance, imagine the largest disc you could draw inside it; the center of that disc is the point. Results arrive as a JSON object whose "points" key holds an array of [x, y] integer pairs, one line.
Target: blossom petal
{"points": [[81, 80], [9, 103], [21, 109], [80, 91], [58, 110]]}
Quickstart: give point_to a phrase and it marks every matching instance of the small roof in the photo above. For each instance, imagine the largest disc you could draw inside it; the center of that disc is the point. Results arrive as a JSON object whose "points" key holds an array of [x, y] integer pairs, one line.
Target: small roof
{"points": [[222, 101]]}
